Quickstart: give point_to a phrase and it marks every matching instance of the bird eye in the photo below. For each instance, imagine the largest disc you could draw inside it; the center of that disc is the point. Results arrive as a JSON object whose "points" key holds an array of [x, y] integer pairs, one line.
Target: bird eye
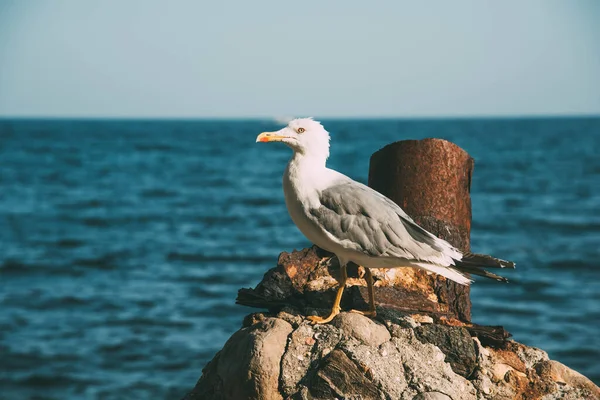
{"points": [[301, 130]]}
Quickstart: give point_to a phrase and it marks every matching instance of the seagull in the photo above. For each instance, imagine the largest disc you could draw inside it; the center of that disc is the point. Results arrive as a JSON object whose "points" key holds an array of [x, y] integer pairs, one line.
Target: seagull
{"points": [[359, 224]]}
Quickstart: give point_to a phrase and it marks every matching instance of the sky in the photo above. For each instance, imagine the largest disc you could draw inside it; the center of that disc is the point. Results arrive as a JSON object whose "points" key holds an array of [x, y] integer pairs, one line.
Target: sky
{"points": [[201, 59]]}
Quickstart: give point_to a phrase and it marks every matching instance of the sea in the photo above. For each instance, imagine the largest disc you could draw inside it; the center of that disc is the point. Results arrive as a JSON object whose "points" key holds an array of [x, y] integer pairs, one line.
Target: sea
{"points": [[123, 243]]}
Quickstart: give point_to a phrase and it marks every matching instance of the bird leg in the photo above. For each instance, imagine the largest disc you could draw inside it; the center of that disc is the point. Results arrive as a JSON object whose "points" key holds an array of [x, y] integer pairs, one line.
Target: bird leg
{"points": [[371, 313], [335, 310]]}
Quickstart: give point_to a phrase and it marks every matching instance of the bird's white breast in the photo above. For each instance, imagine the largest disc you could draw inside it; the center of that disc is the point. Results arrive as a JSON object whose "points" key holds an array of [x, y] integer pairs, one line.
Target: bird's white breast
{"points": [[301, 187]]}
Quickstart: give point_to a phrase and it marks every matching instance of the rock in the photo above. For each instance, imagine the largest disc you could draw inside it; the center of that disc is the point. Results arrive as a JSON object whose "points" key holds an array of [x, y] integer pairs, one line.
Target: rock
{"points": [[339, 377], [426, 370], [362, 328], [510, 359], [530, 356], [394, 317], [297, 358], [499, 371], [432, 396], [248, 366], [454, 342], [493, 336], [423, 319], [404, 367], [283, 356], [292, 317], [563, 375], [384, 366], [306, 346]]}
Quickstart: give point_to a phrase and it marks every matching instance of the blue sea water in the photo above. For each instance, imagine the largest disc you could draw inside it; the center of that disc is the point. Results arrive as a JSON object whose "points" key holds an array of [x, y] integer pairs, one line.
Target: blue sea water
{"points": [[123, 243]]}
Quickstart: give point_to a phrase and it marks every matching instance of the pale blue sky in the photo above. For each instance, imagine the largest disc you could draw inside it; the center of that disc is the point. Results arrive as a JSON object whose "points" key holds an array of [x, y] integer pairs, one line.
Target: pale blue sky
{"points": [[276, 58]]}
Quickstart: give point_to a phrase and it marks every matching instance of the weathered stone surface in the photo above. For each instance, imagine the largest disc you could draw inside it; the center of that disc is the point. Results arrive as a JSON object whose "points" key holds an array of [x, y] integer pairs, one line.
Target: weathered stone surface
{"points": [[362, 328], [563, 375], [494, 336], [426, 370], [529, 355], [382, 365], [297, 358], [339, 377], [404, 367], [454, 342], [510, 359], [248, 366], [306, 346], [392, 317], [357, 358], [432, 396]]}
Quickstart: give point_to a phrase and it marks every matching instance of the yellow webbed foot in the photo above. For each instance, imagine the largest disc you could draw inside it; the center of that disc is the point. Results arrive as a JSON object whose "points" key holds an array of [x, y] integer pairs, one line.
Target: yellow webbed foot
{"points": [[315, 319]]}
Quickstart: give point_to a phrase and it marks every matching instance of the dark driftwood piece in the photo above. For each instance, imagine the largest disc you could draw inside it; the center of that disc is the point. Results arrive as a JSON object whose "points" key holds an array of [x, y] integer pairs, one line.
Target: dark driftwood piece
{"points": [[431, 180]]}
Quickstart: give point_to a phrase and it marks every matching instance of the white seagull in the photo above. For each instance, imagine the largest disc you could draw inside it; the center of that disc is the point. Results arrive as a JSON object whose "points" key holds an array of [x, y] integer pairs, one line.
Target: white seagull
{"points": [[357, 223]]}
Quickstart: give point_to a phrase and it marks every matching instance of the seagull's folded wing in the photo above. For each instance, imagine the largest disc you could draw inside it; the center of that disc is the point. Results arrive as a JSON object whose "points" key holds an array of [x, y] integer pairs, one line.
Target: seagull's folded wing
{"points": [[361, 219]]}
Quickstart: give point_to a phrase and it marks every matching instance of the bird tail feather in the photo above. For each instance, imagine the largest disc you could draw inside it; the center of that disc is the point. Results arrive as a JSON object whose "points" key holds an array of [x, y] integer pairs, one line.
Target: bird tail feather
{"points": [[474, 264], [483, 261], [448, 272]]}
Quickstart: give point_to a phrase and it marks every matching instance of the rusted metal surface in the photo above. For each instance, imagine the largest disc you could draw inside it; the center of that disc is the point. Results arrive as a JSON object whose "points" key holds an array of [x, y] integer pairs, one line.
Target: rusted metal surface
{"points": [[431, 180]]}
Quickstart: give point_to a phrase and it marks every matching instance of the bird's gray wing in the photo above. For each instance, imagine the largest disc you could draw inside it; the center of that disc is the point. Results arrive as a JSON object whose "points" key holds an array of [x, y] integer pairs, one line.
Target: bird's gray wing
{"points": [[359, 218]]}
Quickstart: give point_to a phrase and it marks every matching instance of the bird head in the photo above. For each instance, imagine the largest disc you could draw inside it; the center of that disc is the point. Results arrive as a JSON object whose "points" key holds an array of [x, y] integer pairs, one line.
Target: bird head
{"points": [[303, 135]]}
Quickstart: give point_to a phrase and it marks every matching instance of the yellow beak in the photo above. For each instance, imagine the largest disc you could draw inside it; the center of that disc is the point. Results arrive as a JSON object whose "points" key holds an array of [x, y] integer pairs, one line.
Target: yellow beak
{"points": [[269, 137]]}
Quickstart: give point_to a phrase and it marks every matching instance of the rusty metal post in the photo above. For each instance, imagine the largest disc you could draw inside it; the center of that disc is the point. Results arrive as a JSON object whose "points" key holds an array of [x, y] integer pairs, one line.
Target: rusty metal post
{"points": [[430, 179]]}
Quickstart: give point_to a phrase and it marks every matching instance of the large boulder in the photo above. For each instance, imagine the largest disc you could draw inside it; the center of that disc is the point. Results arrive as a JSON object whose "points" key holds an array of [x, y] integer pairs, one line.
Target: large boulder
{"points": [[283, 356], [248, 366]]}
